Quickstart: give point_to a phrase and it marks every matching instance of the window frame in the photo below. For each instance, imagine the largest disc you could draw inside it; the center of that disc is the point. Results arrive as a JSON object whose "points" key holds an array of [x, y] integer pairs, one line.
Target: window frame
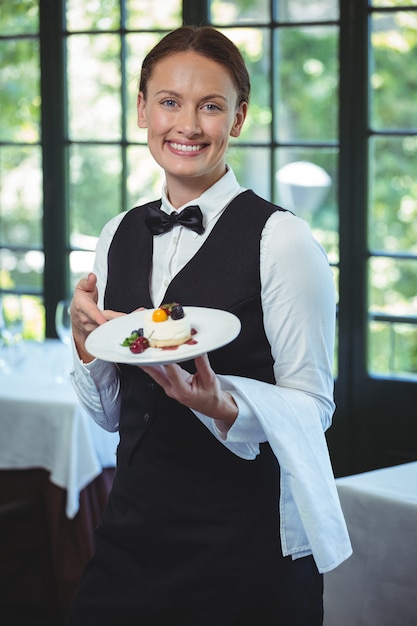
{"points": [[375, 422]]}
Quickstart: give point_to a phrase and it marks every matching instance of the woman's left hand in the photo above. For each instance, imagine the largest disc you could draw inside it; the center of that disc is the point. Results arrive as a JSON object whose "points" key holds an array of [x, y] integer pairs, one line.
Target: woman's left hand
{"points": [[200, 391]]}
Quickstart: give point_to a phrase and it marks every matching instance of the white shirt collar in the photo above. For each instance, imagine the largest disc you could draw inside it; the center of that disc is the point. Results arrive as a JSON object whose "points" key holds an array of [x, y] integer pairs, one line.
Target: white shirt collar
{"points": [[214, 200]]}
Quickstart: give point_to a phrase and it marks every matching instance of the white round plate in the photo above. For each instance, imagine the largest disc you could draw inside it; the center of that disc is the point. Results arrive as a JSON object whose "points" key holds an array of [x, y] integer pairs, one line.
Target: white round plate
{"points": [[214, 329]]}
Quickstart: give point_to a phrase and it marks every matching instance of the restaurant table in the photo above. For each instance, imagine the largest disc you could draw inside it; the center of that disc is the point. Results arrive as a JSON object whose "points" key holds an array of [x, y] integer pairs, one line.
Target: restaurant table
{"points": [[50, 446], [377, 586]]}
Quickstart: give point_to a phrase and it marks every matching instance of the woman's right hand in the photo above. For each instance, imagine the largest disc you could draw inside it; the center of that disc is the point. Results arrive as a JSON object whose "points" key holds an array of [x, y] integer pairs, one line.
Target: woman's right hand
{"points": [[85, 314]]}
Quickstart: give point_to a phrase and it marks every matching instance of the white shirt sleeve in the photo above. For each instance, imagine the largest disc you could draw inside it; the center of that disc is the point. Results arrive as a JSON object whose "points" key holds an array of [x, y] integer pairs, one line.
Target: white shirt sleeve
{"points": [[97, 383]]}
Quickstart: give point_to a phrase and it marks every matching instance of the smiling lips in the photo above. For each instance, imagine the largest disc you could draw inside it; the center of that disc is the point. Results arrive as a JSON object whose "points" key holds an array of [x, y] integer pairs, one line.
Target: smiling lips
{"points": [[180, 147]]}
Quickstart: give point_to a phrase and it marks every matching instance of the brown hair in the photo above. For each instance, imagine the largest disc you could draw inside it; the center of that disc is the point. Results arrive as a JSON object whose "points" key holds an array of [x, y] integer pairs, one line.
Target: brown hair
{"points": [[206, 41]]}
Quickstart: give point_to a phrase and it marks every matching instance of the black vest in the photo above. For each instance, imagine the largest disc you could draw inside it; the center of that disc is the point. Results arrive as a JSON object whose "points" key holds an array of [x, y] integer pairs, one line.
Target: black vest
{"points": [[178, 492]]}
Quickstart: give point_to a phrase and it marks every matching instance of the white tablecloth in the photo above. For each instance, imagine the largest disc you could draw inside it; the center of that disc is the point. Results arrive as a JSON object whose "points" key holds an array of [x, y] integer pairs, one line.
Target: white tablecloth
{"points": [[377, 586], [43, 426]]}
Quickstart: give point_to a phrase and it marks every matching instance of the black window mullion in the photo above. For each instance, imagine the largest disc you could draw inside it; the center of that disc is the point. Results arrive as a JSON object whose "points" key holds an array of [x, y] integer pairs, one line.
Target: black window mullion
{"points": [[195, 12], [353, 114], [124, 143], [55, 213]]}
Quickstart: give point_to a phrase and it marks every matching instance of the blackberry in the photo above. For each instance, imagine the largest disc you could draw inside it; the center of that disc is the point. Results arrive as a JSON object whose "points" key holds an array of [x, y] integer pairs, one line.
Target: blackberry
{"points": [[177, 312]]}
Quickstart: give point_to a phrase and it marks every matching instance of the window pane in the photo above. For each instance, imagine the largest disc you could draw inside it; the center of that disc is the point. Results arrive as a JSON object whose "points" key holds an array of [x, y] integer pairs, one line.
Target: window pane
{"points": [[392, 349], [138, 45], [95, 189], [145, 178], [393, 75], [302, 11], [33, 318], [93, 14], [94, 80], [21, 270], [253, 43], [229, 12], [306, 183], [20, 196], [393, 194], [306, 84], [28, 313], [166, 14], [18, 18], [393, 286], [392, 3], [252, 168], [19, 90]]}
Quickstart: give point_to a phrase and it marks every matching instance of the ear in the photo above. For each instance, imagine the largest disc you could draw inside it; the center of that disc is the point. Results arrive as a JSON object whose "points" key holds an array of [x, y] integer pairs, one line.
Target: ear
{"points": [[239, 119], [140, 106]]}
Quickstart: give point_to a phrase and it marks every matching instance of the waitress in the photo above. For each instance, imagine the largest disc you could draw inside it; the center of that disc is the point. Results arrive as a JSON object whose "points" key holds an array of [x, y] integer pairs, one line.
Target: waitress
{"points": [[223, 510]]}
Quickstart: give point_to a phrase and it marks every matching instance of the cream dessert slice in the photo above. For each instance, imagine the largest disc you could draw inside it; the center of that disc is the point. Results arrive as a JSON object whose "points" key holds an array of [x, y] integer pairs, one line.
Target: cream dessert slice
{"points": [[164, 332]]}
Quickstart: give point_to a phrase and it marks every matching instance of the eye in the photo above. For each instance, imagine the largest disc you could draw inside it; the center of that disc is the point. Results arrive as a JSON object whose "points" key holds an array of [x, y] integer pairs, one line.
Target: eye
{"points": [[210, 106], [169, 103]]}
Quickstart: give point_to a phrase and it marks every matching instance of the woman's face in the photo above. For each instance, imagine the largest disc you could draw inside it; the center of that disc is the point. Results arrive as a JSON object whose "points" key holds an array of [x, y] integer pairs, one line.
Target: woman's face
{"points": [[190, 111]]}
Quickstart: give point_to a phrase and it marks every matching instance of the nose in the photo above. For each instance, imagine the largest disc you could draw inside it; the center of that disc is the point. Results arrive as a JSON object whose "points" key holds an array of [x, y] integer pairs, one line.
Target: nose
{"points": [[188, 121]]}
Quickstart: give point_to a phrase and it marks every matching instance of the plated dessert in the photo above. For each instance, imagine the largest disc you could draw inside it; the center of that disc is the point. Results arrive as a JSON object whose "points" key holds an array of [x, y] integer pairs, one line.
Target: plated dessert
{"points": [[165, 327], [210, 329]]}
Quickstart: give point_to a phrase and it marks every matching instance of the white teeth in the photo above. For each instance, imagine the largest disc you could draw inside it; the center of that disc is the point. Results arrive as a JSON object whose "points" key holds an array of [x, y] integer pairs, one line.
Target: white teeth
{"points": [[183, 148]]}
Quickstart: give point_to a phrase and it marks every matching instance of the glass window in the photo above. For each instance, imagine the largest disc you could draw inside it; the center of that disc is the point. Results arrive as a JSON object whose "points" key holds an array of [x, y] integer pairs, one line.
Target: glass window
{"points": [[153, 14], [392, 349], [17, 17], [144, 176], [289, 151], [391, 3], [307, 184], [93, 80], [306, 79], [95, 188], [21, 196], [252, 167], [229, 12], [393, 285], [84, 15], [393, 76], [19, 90], [392, 193], [301, 11]]}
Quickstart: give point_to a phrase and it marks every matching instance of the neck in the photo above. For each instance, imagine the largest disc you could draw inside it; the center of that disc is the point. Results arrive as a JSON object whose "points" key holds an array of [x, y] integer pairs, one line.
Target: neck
{"points": [[180, 192]]}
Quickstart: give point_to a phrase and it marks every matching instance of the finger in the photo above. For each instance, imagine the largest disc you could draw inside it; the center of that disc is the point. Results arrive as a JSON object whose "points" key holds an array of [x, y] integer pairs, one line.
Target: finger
{"points": [[204, 370], [87, 284], [85, 311], [202, 363], [108, 314]]}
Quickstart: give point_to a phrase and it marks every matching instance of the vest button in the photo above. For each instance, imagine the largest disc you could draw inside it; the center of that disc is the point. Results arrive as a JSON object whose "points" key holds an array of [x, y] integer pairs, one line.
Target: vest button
{"points": [[151, 386], [146, 417]]}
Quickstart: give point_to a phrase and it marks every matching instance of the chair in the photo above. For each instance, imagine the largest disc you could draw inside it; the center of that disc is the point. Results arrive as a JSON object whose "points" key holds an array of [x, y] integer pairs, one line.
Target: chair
{"points": [[28, 592]]}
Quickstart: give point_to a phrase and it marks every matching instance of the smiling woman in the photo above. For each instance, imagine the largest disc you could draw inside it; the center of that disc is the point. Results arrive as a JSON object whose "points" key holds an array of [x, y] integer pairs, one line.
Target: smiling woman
{"points": [[223, 472]]}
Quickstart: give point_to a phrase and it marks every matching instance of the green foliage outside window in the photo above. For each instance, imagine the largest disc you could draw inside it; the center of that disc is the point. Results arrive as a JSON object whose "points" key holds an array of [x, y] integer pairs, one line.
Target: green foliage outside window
{"points": [[299, 94]]}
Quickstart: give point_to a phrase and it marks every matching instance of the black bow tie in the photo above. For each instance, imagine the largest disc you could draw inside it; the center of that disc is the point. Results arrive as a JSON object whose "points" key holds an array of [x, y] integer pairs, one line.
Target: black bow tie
{"points": [[160, 222]]}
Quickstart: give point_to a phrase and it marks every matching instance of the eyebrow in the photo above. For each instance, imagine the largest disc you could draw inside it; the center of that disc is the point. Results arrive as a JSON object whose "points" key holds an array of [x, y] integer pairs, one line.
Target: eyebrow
{"points": [[169, 92]]}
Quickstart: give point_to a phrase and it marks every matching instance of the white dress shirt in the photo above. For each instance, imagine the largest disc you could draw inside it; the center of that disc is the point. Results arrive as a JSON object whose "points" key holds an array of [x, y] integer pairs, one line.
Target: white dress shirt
{"points": [[298, 301]]}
